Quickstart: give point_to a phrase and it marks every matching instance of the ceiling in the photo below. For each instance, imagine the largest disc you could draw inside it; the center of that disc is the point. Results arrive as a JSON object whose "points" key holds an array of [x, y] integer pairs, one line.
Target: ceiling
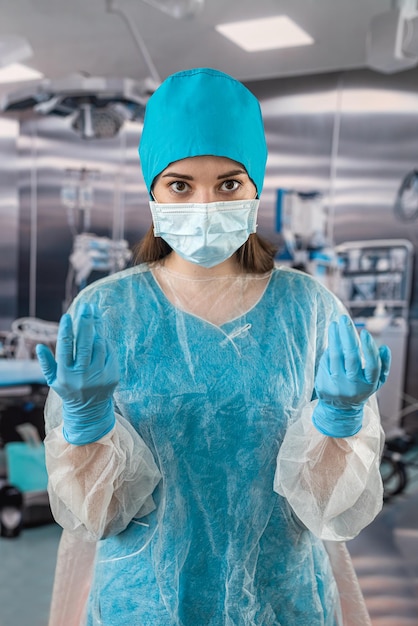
{"points": [[79, 36]]}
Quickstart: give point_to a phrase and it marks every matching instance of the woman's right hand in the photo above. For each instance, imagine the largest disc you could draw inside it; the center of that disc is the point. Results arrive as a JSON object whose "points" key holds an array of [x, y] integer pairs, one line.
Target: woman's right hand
{"points": [[84, 373]]}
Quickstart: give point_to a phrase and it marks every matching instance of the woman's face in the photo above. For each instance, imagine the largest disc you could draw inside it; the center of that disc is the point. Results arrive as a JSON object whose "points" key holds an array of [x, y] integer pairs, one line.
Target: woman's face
{"points": [[203, 179]]}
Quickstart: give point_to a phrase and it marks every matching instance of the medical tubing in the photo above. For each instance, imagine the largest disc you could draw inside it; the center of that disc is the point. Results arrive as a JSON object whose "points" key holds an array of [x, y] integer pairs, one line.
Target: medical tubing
{"points": [[338, 422]]}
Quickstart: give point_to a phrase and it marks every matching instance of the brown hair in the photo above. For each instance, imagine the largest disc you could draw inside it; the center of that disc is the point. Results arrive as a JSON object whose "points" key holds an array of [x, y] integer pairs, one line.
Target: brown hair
{"points": [[256, 255]]}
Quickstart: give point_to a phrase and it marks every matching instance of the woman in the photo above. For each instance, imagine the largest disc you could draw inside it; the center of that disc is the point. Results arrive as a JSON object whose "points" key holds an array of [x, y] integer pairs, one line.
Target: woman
{"points": [[199, 429]]}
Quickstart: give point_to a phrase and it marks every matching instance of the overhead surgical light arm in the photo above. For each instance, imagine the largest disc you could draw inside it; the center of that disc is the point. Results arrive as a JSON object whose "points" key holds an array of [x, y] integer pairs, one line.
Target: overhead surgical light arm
{"points": [[177, 8], [113, 7]]}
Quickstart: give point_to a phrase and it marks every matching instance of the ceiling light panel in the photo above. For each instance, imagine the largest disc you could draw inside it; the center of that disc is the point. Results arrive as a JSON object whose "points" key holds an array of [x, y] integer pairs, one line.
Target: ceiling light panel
{"points": [[265, 33]]}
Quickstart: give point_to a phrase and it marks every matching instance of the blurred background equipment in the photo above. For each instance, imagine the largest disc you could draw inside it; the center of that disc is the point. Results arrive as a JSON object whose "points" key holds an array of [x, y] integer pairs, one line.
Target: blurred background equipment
{"points": [[97, 107], [406, 203], [20, 341], [23, 392], [303, 223], [392, 42], [375, 285], [92, 256]]}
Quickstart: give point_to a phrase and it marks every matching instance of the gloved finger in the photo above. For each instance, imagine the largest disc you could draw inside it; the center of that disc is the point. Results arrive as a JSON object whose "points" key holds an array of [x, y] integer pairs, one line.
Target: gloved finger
{"points": [[47, 362], [385, 358], [100, 349], [99, 352], [350, 347], [84, 338], [372, 363], [324, 366], [64, 351], [336, 357]]}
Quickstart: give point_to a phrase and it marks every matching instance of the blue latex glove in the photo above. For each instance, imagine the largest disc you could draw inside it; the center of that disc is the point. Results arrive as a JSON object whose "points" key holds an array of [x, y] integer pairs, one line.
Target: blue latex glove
{"points": [[342, 384], [84, 375]]}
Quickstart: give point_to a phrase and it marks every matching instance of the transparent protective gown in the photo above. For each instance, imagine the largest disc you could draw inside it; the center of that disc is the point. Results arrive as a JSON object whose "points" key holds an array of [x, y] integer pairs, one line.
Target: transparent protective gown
{"points": [[214, 501]]}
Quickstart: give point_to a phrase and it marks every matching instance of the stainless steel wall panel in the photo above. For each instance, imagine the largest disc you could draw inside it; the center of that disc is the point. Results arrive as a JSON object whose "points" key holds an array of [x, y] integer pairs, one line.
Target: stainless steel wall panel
{"points": [[9, 222], [376, 146], [298, 118], [352, 136], [116, 184]]}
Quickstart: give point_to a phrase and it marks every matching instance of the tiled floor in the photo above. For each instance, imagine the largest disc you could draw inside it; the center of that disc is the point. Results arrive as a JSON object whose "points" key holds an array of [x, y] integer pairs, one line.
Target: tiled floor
{"points": [[26, 575], [385, 556], [387, 566]]}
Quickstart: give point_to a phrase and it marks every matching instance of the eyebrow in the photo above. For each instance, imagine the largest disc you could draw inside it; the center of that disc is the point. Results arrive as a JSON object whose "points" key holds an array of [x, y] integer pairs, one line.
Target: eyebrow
{"points": [[231, 173], [187, 177], [174, 175]]}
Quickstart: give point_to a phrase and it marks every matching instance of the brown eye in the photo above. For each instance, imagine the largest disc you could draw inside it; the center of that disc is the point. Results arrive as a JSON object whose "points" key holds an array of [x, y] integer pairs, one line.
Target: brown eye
{"points": [[179, 186], [230, 185]]}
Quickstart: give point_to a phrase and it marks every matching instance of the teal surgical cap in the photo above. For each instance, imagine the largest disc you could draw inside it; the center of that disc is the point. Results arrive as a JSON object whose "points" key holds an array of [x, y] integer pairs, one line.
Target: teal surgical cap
{"points": [[202, 112]]}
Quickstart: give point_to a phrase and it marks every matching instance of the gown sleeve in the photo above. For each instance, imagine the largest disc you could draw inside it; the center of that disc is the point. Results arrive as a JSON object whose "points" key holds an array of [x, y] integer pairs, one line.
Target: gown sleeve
{"points": [[333, 485], [95, 490]]}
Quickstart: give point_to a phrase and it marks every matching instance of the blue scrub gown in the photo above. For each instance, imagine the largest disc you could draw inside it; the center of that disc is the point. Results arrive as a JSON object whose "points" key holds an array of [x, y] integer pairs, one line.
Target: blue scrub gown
{"points": [[213, 403]]}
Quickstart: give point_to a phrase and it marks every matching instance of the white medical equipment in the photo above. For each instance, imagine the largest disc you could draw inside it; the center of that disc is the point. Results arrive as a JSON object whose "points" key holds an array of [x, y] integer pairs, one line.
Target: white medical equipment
{"points": [[392, 38], [92, 253], [302, 218], [19, 342], [23, 392], [375, 285]]}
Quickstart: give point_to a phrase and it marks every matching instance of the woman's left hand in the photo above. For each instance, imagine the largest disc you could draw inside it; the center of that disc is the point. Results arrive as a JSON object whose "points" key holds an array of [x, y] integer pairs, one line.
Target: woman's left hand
{"points": [[343, 385]]}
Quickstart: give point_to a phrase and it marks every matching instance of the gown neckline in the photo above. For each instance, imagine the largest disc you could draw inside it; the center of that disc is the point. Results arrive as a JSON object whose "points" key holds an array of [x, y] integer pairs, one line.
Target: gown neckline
{"points": [[171, 306]]}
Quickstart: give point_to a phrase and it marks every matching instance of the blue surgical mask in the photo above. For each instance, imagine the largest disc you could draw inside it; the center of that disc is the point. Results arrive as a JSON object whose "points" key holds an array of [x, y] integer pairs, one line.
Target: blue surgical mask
{"points": [[205, 234]]}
